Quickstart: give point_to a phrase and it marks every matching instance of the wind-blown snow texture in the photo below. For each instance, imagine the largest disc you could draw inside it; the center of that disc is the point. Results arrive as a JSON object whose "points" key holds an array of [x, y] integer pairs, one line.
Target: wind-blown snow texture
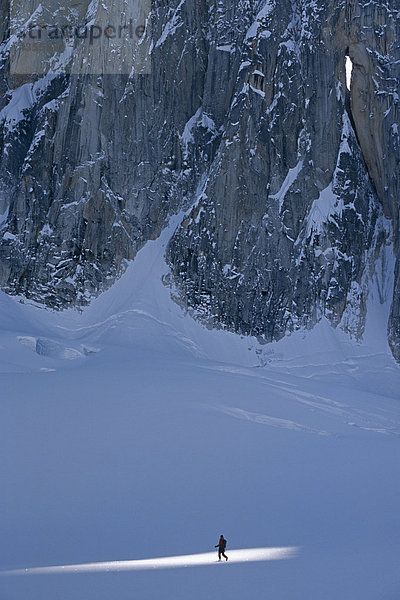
{"points": [[241, 111], [129, 431]]}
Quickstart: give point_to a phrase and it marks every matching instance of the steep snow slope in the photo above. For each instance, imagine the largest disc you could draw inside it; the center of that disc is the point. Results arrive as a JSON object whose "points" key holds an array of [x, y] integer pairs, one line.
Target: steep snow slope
{"points": [[129, 431]]}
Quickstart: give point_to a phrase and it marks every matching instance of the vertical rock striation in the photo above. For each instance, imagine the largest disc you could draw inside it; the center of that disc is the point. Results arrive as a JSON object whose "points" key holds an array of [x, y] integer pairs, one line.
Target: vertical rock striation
{"points": [[373, 33], [291, 215], [236, 112]]}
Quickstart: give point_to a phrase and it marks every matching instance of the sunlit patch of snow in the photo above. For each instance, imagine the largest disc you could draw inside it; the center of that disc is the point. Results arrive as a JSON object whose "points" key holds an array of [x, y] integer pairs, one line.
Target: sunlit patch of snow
{"points": [[168, 562]]}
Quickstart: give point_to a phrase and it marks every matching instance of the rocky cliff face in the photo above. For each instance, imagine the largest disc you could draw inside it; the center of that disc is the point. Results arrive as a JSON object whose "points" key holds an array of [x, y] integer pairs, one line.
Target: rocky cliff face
{"points": [[236, 112]]}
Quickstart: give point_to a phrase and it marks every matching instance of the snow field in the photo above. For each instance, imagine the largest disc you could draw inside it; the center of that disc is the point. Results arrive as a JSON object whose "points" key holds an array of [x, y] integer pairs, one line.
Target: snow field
{"points": [[130, 432]]}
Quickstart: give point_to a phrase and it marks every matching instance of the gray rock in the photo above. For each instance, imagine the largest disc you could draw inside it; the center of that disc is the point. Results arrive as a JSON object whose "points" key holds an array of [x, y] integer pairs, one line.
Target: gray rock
{"points": [[236, 109], [291, 218]]}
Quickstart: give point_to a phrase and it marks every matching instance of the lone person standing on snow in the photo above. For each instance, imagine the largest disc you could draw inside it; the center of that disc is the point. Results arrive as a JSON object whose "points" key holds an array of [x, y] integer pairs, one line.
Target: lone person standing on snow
{"points": [[221, 548]]}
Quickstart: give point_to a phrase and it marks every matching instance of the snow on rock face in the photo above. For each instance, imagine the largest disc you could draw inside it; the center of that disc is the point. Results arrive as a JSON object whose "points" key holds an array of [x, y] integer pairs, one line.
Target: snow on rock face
{"points": [[248, 97], [290, 224]]}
